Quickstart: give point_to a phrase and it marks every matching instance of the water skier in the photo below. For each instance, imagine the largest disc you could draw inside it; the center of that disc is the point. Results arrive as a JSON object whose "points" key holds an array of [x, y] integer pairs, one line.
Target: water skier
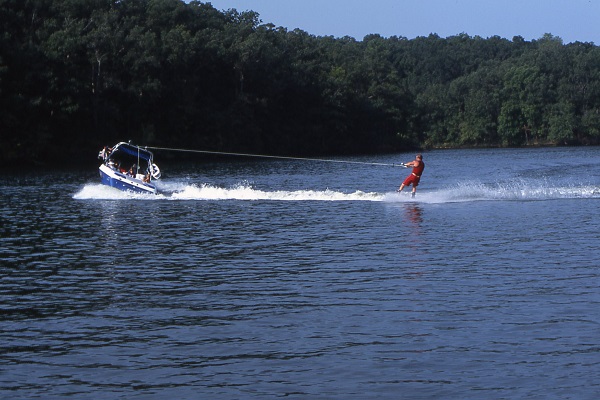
{"points": [[415, 176]]}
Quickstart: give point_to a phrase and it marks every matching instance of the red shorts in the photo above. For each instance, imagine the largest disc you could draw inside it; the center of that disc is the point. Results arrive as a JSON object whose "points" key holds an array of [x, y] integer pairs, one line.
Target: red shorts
{"points": [[412, 179]]}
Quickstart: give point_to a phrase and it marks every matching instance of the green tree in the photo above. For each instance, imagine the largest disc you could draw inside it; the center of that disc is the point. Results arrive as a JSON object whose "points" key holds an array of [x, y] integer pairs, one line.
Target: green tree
{"points": [[520, 119]]}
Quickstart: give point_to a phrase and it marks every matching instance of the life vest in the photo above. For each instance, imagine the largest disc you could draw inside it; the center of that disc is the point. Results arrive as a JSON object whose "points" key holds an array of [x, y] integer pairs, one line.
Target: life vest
{"points": [[418, 170]]}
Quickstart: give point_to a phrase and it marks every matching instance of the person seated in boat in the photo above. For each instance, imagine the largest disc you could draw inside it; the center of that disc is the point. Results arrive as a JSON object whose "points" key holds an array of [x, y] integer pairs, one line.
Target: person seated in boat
{"points": [[146, 178], [132, 171]]}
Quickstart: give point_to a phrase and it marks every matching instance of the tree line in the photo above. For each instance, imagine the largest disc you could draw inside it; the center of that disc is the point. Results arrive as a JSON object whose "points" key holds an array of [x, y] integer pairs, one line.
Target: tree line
{"points": [[78, 74]]}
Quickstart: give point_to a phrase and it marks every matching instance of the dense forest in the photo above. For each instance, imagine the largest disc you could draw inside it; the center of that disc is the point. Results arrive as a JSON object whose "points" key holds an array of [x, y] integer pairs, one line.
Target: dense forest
{"points": [[79, 74]]}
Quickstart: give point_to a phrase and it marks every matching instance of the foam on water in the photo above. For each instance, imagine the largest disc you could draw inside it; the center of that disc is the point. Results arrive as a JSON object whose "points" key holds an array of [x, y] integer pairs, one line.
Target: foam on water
{"points": [[514, 191], [103, 192], [244, 192], [464, 192], [210, 192]]}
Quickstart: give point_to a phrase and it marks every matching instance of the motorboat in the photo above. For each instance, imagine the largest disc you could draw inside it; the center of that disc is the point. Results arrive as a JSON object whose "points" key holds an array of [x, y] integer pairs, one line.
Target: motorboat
{"points": [[128, 167]]}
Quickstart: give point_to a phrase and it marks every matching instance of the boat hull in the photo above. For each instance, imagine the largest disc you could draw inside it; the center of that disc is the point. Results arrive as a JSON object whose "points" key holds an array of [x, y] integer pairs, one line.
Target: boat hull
{"points": [[124, 182]]}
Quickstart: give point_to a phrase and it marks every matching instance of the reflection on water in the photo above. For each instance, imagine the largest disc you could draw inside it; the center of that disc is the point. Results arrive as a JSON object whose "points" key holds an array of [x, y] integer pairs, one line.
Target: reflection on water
{"points": [[414, 214]]}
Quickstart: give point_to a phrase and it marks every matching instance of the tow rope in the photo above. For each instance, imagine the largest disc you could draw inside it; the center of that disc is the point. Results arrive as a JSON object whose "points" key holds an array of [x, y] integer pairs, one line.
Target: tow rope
{"points": [[277, 157]]}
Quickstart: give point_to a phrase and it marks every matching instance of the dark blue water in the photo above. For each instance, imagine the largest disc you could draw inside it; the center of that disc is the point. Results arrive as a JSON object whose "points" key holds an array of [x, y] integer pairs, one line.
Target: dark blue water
{"points": [[302, 279]]}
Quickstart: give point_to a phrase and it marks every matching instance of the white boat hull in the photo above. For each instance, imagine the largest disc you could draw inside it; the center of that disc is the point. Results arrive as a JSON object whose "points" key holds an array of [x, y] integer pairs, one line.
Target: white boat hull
{"points": [[121, 181]]}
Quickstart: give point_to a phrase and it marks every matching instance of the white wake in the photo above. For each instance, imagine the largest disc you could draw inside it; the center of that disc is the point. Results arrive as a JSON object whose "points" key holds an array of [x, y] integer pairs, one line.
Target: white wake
{"points": [[210, 192], [466, 192]]}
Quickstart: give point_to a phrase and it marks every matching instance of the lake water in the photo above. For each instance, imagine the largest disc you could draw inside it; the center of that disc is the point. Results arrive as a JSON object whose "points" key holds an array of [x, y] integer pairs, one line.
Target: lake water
{"points": [[257, 279]]}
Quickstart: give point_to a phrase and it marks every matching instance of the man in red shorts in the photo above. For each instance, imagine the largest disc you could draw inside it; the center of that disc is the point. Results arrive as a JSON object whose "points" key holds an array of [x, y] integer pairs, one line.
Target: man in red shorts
{"points": [[415, 176]]}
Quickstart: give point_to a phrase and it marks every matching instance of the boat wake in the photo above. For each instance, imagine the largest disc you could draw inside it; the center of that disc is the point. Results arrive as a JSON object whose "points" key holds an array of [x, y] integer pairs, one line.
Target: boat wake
{"points": [[103, 192], [209, 192], [515, 191], [467, 192]]}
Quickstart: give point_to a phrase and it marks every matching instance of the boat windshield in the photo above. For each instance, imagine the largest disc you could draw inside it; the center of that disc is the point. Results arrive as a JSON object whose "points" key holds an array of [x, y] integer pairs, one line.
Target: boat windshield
{"points": [[127, 158]]}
